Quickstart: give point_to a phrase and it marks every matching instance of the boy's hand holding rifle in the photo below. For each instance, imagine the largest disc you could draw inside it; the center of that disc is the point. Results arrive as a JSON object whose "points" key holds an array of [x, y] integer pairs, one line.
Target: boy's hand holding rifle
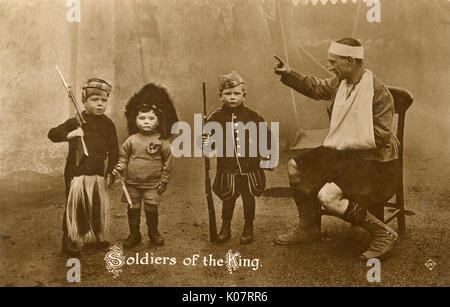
{"points": [[75, 133], [117, 173]]}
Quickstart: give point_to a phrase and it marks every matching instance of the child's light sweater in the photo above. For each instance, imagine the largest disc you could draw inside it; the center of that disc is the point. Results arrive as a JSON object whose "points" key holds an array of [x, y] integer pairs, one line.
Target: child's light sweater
{"points": [[148, 160]]}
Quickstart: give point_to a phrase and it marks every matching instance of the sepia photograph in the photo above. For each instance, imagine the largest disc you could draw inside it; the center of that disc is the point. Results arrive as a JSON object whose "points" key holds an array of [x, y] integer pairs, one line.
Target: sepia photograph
{"points": [[213, 145]]}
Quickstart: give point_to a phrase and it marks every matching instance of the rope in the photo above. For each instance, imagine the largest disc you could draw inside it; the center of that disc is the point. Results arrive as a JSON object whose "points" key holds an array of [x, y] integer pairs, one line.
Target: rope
{"points": [[287, 61], [313, 59], [141, 52]]}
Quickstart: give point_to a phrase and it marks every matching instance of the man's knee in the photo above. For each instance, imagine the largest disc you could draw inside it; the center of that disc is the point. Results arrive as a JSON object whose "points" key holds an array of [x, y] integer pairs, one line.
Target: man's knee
{"points": [[329, 195], [293, 170]]}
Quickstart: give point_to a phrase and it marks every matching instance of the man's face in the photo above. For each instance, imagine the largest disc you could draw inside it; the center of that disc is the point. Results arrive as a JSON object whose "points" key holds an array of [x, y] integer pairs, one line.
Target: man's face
{"points": [[233, 97], [96, 104], [340, 66], [147, 121]]}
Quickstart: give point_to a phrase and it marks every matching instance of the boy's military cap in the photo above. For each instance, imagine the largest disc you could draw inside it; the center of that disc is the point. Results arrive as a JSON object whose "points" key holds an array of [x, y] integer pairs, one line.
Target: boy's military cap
{"points": [[229, 81], [99, 84]]}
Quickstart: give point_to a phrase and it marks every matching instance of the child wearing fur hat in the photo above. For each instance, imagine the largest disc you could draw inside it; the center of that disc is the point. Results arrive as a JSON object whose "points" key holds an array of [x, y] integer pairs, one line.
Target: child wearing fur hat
{"points": [[146, 154], [85, 214]]}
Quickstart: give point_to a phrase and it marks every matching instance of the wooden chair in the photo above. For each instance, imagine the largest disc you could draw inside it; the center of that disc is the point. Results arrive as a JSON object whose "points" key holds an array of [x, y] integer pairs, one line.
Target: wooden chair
{"points": [[402, 101]]}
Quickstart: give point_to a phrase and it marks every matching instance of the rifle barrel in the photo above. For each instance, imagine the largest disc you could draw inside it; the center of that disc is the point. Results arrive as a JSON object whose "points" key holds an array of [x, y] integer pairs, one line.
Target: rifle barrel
{"points": [[204, 101], [80, 117]]}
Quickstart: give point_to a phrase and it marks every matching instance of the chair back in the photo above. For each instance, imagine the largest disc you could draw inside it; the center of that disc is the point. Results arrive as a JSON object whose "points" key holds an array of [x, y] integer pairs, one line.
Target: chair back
{"points": [[402, 101]]}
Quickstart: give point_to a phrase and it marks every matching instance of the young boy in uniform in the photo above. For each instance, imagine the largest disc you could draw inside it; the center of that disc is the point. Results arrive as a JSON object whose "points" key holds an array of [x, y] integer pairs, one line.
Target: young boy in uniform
{"points": [[240, 174], [87, 199]]}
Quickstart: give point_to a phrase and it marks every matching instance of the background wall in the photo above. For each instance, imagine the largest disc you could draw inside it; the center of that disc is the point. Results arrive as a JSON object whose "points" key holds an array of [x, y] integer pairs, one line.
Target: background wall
{"points": [[187, 42]]}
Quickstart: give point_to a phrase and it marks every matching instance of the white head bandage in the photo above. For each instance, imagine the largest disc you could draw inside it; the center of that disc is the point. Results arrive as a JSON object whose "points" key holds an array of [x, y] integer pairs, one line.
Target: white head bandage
{"points": [[356, 52]]}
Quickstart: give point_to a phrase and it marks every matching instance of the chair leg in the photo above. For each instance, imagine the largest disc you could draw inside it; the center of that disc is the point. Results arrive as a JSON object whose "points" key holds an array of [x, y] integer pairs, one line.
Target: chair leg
{"points": [[377, 209], [401, 215], [401, 222]]}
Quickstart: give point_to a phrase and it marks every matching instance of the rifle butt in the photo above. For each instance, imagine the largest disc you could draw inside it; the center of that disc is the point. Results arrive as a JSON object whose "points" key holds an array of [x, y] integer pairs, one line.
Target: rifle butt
{"points": [[212, 219]]}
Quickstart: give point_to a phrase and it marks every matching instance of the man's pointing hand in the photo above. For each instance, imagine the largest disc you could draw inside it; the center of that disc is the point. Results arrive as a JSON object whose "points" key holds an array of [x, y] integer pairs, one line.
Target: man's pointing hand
{"points": [[282, 68]]}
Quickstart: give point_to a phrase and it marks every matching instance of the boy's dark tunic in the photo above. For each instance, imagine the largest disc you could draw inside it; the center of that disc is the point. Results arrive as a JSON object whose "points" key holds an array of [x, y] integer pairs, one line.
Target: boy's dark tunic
{"points": [[100, 137], [233, 173]]}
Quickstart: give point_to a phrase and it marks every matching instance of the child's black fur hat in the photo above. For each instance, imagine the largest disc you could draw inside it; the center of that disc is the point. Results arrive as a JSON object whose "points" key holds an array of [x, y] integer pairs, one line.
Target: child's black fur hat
{"points": [[156, 98]]}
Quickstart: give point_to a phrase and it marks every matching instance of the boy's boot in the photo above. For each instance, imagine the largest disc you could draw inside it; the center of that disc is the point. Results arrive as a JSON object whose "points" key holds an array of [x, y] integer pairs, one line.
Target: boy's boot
{"points": [[225, 231], [382, 237], [69, 247], [96, 220], [247, 234], [134, 222], [309, 220], [152, 225], [102, 244]]}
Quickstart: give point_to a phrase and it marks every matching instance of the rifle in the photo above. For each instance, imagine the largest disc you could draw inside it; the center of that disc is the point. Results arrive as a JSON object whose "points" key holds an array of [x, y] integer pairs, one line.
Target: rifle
{"points": [[81, 149], [208, 192], [125, 191]]}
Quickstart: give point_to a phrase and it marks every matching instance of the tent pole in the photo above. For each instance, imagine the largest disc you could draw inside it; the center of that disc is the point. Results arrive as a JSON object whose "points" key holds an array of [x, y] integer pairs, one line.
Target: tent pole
{"points": [[355, 22]]}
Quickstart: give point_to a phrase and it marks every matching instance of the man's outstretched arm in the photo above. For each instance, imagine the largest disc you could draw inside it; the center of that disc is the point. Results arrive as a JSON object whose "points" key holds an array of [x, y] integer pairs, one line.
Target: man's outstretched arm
{"points": [[315, 88]]}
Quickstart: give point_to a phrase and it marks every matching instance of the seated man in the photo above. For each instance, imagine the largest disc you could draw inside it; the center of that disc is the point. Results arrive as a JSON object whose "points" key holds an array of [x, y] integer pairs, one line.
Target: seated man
{"points": [[358, 161]]}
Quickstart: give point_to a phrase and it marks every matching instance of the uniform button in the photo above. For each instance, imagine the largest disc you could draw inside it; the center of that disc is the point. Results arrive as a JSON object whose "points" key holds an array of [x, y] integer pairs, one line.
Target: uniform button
{"points": [[235, 124], [237, 131], [239, 146], [237, 139], [239, 154]]}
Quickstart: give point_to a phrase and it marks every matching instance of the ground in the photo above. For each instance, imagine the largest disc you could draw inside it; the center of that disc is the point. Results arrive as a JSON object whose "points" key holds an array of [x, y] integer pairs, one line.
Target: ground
{"points": [[31, 235]]}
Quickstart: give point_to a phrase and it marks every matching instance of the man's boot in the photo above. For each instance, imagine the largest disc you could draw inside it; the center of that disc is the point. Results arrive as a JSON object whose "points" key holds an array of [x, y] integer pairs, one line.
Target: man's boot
{"points": [[382, 237], [225, 231], [308, 228], [69, 247], [134, 222], [152, 225], [247, 234]]}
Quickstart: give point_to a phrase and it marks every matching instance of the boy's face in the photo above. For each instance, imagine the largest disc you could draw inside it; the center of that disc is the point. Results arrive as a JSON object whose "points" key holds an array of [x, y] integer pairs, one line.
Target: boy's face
{"points": [[233, 97], [147, 121], [96, 104]]}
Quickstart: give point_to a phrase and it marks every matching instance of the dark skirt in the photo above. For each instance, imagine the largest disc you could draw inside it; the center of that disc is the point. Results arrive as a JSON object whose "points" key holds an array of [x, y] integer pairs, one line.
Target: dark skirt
{"points": [[225, 183], [365, 181]]}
